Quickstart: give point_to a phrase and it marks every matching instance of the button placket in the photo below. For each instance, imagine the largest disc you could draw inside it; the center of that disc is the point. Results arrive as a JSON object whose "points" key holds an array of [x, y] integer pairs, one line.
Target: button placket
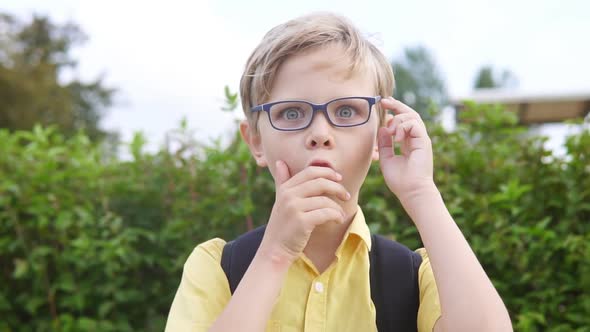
{"points": [[319, 287], [315, 317]]}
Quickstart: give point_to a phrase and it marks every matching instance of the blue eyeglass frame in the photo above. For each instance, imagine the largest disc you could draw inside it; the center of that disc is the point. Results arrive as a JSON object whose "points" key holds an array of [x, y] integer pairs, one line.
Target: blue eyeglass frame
{"points": [[315, 108]]}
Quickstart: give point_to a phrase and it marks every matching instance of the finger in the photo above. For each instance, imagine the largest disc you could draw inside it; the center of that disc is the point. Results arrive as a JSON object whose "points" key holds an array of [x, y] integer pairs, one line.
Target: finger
{"points": [[385, 143], [397, 106], [320, 202], [386, 139], [322, 216], [322, 187], [409, 129], [314, 172], [396, 121], [282, 173], [400, 132], [400, 118]]}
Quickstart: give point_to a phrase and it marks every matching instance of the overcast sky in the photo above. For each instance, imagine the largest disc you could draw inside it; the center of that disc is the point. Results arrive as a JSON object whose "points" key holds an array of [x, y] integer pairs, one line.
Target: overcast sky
{"points": [[172, 58]]}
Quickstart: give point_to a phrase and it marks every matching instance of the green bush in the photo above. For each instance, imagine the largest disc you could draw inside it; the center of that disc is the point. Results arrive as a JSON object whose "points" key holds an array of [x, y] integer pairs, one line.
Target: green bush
{"points": [[92, 243]]}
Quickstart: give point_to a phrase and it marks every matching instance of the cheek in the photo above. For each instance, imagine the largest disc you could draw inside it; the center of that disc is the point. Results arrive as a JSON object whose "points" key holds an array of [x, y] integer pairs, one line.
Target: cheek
{"points": [[360, 154], [365, 142], [276, 147]]}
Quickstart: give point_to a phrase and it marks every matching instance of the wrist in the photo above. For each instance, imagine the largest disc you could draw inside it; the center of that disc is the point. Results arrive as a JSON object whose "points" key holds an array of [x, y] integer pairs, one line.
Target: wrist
{"points": [[419, 194], [277, 258], [420, 197], [421, 203]]}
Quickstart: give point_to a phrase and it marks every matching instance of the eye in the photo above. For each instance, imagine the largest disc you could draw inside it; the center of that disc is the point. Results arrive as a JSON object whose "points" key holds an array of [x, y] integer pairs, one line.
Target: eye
{"points": [[345, 112], [292, 114]]}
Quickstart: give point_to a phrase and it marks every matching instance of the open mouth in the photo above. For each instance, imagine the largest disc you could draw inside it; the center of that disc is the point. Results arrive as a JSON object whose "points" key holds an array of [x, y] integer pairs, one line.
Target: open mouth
{"points": [[320, 163]]}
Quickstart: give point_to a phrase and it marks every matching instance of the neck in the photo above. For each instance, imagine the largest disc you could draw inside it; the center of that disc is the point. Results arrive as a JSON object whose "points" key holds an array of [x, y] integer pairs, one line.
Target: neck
{"points": [[325, 238]]}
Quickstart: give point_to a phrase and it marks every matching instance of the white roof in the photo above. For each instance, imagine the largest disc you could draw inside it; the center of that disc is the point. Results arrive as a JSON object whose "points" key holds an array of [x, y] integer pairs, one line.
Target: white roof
{"points": [[511, 96]]}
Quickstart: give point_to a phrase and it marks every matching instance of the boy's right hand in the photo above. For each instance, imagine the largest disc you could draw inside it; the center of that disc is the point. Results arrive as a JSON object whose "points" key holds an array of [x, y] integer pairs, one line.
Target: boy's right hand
{"points": [[302, 202]]}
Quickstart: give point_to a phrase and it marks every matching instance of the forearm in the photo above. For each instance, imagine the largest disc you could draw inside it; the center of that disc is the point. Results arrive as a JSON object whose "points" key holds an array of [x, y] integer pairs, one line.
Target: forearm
{"points": [[251, 304], [469, 301]]}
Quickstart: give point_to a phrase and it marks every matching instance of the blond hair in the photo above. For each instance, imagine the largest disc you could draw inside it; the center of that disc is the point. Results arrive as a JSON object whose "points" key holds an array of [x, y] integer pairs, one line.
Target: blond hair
{"points": [[303, 34]]}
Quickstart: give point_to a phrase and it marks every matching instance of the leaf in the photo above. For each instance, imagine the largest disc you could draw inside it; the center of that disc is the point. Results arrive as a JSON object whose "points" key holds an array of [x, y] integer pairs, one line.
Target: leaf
{"points": [[231, 100], [21, 267]]}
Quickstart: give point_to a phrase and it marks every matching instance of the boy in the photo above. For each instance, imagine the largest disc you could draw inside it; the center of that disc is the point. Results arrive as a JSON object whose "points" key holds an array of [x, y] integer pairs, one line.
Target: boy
{"points": [[310, 92]]}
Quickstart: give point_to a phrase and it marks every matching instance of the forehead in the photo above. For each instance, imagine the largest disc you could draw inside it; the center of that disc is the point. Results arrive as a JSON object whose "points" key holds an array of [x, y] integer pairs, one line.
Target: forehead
{"points": [[319, 75]]}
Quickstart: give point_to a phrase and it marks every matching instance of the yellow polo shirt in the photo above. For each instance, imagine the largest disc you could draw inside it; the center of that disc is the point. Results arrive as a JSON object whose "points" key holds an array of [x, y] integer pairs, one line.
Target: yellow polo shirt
{"points": [[339, 299]]}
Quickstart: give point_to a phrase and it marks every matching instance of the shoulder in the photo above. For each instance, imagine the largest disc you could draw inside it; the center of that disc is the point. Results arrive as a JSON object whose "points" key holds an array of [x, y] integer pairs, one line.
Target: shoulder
{"points": [[204, 256], [212, 249], [202, 273], [203, 291]]}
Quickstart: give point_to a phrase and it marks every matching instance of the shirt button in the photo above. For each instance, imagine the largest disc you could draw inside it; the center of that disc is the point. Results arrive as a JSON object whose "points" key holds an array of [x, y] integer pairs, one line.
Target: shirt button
{"points": [[319, 287]]}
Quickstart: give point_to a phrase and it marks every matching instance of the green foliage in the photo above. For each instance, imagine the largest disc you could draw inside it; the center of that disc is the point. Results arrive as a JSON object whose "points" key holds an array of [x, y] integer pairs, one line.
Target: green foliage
{"points": [[418, 81], [33, 58], [488, 78], [231, 100], [89, 243]]}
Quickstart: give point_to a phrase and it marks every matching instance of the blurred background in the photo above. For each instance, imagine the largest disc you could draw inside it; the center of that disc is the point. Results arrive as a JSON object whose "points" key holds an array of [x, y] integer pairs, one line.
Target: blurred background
{"points": [[119, 151], [171, 60]]}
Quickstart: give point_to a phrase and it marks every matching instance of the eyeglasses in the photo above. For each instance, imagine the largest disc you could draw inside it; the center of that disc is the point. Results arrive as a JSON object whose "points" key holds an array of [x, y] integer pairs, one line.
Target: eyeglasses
{"points": [[291, 115]]}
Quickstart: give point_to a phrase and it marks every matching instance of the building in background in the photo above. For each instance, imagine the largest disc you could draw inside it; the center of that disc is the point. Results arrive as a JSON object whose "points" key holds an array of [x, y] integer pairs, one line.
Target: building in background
{"points": [[534, 109], [545, 114]]}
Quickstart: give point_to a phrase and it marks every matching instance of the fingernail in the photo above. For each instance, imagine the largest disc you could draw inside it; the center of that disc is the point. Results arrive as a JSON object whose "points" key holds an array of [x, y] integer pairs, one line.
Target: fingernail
{"points": [[347, 195], [338, 176]]}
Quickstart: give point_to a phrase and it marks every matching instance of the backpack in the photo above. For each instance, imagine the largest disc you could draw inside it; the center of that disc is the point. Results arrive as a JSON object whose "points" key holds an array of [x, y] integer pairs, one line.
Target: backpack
{"points": [[393, 277]]}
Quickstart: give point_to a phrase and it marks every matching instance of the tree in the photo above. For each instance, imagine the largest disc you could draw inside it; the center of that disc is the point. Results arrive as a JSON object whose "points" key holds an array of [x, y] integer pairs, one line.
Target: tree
{"points": [[33, 55], [488, 78], [418, 82]]}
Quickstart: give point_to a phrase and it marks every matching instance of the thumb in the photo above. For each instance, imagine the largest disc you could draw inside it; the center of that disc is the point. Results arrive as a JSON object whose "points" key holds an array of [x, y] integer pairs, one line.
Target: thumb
{"points": [[282, 173]]}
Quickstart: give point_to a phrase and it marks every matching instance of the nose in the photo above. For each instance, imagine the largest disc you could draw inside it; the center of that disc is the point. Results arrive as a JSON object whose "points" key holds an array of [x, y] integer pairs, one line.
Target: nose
{"points": [[319, 133]]}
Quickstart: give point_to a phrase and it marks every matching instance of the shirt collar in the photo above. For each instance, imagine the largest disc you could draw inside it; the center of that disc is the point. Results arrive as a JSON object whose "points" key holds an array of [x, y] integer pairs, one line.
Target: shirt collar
{"points": [[359, 227]]}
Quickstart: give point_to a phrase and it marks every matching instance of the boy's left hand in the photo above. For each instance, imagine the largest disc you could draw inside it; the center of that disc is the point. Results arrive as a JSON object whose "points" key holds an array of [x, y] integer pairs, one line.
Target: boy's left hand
{"points": [[410, 172]]}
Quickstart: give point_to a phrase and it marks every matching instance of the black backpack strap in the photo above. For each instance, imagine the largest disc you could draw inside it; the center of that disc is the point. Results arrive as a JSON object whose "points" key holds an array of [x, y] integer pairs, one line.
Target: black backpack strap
{"points": [[394, 284], [393, 276], [238, 254]]}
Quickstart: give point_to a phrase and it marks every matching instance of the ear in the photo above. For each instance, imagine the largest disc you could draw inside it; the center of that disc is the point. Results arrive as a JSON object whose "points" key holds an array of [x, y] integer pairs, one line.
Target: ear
{"points": [[386, 123], [254, 143]]}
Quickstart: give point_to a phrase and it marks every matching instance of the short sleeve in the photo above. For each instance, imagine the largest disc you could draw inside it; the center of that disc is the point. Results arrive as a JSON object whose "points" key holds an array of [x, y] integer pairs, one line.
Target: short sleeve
{"points": [[429, 311], [203, 292]]}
